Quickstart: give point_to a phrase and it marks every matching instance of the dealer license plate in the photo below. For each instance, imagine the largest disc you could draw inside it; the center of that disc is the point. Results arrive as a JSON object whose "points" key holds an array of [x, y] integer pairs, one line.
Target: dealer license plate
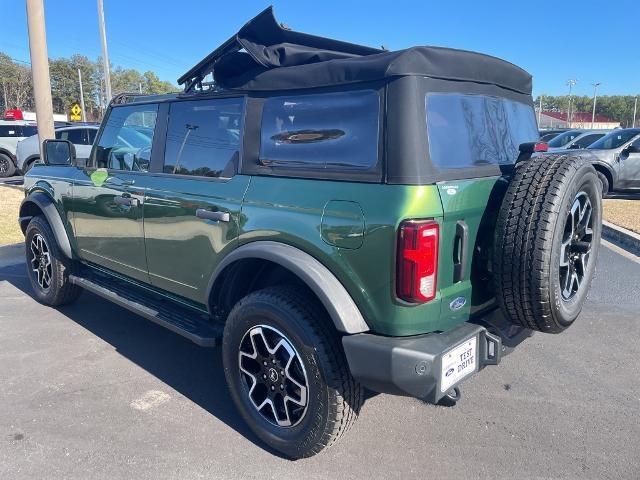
{"points": [[458, 363]]}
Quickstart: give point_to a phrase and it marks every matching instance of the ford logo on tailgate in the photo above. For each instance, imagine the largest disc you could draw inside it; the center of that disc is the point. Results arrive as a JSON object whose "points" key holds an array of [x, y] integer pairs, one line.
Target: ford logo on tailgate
{"points": [[457, 303], [449, 372]]}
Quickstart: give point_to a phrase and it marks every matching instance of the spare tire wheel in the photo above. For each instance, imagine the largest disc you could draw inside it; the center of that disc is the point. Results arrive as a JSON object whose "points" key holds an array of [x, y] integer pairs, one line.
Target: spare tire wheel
{"points": [[546, 241]]}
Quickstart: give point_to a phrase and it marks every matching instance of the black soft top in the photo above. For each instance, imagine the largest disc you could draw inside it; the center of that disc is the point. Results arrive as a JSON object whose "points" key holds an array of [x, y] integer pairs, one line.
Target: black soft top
{"points": [[265, 56]]}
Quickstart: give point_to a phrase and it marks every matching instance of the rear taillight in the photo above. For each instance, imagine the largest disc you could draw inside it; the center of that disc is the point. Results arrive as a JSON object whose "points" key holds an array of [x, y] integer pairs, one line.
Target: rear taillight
{"points": [[541, 147], [417, 260]]}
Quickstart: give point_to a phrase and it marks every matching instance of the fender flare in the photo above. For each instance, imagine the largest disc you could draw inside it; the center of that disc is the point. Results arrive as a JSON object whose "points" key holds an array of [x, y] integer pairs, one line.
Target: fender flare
{"points": [[607, 166], [49, 210], [341, 308]]}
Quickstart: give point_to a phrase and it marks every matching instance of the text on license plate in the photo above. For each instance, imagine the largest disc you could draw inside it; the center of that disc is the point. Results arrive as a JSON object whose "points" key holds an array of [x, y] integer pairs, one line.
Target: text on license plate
{"points": [[457, 363]]}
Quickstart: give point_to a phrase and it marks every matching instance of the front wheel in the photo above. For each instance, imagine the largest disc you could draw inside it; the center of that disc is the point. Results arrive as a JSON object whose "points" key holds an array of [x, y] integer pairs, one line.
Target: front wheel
{"points": [[48, 269], [287, 373]]}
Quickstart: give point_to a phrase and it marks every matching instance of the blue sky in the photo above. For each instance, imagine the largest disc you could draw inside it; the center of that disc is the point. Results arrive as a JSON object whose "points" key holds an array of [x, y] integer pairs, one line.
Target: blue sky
{"points": [[554, 40]]}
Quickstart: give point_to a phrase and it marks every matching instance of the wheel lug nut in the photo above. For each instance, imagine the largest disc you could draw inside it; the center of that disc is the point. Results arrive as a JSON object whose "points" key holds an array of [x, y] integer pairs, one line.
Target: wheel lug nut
{"points": [[281, 387], [273, 387], [264, 363], [264, 376], [281, 372], [273, 361]]}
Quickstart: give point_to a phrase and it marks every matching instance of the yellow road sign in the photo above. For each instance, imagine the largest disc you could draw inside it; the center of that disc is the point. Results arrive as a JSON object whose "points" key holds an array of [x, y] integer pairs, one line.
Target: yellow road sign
{"points": [[75, 113]]}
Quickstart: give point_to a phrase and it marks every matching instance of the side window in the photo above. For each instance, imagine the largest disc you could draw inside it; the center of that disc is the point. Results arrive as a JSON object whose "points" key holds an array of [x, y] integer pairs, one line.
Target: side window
{"points": [[75, 135], [636, 143], [327, 130], [587, 140], [475, 130], [125, 143], [203, 137]]}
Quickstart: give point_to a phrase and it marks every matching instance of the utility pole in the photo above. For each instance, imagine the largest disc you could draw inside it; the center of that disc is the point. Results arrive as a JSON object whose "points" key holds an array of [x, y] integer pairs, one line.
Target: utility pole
{"points": [[593, 113], [140, 87], [84, 114], [570, 83], [635, 108], [539, 110], [40, 70], [105, 54]]}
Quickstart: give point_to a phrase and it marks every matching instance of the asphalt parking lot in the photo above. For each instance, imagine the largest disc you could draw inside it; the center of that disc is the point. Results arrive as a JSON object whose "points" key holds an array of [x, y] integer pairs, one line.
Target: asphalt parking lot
{"points": [[93, 391]]}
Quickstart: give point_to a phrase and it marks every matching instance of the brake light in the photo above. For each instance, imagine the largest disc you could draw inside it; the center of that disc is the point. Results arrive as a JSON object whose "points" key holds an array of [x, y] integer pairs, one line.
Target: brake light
{"points": [[417, 260]]}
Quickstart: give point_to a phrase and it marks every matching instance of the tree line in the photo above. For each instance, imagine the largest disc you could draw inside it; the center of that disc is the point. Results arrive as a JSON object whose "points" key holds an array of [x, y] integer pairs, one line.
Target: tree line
{"points": [[16, 89], [618, 108]]}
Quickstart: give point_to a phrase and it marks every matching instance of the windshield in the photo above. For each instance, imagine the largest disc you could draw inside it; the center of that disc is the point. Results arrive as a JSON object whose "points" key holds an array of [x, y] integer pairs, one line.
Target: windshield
{"points": [[564, 138], [615, 139]]}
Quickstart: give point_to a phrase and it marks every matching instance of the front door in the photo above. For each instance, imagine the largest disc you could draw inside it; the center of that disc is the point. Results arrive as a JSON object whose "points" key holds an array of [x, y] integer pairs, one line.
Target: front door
{"points": [[193, 211], [108, 198], [629, 173]]}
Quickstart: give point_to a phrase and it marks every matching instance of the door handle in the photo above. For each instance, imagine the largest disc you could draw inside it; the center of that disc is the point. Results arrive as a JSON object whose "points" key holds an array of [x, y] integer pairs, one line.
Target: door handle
{"points": [[460, 251], [215, 216], [126, 201]]}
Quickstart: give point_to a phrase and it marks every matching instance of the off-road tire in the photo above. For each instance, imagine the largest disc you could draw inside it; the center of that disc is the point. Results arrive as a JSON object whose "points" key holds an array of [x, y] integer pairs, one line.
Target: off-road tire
{"points": [[7, 168], [60, 291], [528, 240], [334, 397]]}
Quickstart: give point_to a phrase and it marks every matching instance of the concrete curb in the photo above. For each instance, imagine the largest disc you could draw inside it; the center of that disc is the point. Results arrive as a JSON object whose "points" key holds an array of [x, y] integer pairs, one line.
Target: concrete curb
{"points": [[622, 237]]}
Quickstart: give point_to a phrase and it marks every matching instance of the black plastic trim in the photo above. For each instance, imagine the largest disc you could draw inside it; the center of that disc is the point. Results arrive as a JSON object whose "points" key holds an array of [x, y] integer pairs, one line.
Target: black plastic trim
{"points": [[48, 208]]}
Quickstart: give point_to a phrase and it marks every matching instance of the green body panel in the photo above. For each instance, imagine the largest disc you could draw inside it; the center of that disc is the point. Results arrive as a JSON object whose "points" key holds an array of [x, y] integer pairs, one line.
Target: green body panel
{"points": [[466, 201], [349, 227], [109, 234], [291, 211], [183, 250]]}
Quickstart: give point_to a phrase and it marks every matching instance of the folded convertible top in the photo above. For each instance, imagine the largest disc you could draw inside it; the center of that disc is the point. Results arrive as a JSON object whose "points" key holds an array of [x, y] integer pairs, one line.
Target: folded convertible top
{"points": [[264, 56]]}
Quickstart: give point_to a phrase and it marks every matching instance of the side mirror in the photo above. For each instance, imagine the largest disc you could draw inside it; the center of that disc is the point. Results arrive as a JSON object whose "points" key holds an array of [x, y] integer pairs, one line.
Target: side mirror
{"points": [[58, 152], [529, 148]]}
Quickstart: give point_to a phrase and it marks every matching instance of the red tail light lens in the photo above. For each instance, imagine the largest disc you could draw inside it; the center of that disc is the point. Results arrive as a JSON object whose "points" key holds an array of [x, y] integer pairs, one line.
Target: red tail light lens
{"points": [[417, 261], [541, 147]]}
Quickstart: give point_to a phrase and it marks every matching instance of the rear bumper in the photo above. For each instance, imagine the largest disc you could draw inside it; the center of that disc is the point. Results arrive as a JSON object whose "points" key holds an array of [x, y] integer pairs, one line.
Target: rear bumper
{"points": [[413, 365]]}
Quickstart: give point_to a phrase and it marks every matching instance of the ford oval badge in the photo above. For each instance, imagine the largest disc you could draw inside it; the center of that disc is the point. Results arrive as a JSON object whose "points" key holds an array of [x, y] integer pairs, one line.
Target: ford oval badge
{"points": [[457, 303]]}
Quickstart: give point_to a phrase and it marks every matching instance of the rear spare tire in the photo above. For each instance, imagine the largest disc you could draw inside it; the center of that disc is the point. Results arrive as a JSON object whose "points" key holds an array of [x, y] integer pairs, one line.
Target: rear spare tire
{"points": [[546, 241]]}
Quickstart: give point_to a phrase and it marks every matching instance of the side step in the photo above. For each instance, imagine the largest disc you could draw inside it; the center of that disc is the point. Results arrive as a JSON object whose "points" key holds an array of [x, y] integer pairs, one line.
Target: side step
{"points": [[183, 320]]}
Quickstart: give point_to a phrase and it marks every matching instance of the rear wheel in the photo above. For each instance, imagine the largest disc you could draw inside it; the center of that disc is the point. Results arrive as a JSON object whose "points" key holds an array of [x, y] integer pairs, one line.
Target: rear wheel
{"points": [[546, 242], [48, 269], [287, 373], [7, 168]]}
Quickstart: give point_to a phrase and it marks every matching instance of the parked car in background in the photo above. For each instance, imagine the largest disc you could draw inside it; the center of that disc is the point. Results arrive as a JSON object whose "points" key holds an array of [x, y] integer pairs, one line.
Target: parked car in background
{"points": [[82, 137], [560, 141], [546, 135], [616, 158], [12, 132], [582, 140]]}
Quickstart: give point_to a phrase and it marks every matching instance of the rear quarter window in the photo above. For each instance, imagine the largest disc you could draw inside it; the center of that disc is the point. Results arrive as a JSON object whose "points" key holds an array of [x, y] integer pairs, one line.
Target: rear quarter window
{"points": [[475, 130], [321, 131]]}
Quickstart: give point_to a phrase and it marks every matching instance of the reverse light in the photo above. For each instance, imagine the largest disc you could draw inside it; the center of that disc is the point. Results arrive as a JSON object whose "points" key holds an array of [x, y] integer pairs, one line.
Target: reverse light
{"points": [[417, 260]]}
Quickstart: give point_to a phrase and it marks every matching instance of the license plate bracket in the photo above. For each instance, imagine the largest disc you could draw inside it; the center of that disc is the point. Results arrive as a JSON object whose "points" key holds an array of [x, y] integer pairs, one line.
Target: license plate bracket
{"points": [[458, 363]]}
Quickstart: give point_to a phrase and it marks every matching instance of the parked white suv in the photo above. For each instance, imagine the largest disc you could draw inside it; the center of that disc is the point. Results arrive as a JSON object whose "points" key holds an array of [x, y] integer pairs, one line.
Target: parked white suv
{"points": [[12, 132], [82, 137]]}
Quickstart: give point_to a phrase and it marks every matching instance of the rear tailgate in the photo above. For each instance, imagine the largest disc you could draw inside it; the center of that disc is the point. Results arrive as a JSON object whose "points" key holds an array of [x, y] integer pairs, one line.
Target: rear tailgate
{"points": [[470, 208]]}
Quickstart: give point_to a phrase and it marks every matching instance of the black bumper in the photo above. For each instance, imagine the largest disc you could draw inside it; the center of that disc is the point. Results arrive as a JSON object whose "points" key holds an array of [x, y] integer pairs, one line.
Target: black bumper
{"points": [[413, 365]]}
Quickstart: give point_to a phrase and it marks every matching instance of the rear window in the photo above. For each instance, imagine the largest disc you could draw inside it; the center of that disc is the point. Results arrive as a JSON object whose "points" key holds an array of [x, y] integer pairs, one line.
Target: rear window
{"points": [[328, 130], [474, 130], [615, 139]]}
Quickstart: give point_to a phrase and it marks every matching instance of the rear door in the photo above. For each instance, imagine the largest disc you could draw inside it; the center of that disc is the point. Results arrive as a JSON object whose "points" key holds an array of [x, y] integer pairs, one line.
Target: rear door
{"points": [[467, 133], [108, 194], [192, 211]]}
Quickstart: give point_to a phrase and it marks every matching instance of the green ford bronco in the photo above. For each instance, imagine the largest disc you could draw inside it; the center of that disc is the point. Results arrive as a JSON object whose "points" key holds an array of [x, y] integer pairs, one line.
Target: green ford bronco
{"points": [[336, 217]]}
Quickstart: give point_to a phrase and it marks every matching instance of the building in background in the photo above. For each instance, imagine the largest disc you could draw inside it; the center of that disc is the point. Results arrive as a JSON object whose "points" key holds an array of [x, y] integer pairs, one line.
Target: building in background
{"points": [[550, 120]]}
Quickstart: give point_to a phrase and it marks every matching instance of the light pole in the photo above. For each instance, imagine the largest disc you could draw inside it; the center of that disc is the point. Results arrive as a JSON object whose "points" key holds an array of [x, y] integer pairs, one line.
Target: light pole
{"points": [[539, 110], [105, 54], [635, 107], [593, 113], [40, 70], [570, 83]]}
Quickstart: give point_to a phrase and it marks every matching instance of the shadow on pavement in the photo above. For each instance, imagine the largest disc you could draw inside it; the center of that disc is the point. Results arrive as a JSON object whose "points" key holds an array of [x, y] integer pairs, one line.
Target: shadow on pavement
{"points": [[195, 372]]}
